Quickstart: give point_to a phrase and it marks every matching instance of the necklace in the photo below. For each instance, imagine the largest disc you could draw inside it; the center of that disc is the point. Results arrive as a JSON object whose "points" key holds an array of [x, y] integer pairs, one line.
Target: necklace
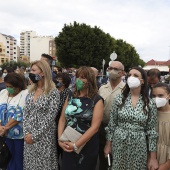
{"points": [[8, 101]]}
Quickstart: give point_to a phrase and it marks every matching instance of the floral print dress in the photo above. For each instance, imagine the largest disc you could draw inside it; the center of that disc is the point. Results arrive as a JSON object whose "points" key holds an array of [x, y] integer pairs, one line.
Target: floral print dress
{"points": [[127, 130], [79, 113]]}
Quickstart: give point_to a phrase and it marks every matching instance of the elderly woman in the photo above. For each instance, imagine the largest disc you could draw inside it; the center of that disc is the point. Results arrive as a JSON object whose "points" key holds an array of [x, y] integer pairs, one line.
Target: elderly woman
{"points": [[12, 101], [83, 111], [39, 119]]}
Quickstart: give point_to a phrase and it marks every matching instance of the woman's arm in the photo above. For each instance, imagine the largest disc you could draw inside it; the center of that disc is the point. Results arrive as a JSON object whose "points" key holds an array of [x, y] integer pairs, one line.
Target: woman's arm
{"points": [[152, 135], [62, 120], [61, 126], [95, 124], [165, 166], [10, 124], [152, 163]]}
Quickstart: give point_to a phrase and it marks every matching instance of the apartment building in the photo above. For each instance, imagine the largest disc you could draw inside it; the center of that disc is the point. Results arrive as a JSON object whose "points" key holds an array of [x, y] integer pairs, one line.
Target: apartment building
{"points": [[25, 37], [8, 48], [41, 44]]}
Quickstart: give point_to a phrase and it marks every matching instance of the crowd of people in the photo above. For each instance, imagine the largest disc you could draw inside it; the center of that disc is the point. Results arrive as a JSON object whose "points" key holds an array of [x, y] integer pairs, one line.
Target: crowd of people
{"points": [[124, 116]]}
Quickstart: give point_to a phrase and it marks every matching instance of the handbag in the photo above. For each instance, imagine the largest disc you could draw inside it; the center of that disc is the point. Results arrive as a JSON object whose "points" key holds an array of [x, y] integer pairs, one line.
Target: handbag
{"points": [[5, 154], [71, 135]]}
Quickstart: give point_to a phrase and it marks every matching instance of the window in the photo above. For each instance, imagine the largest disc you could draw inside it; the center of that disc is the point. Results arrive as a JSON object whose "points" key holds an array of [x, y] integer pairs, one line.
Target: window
{"points": [[7, 51], [14, 57], [7, 41], [0, 50], [7, 46], [14, 47], [14, 52]]}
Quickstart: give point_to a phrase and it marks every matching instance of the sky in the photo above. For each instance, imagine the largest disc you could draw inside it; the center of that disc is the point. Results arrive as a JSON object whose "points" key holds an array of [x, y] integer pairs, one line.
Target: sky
{"points": [[145, 24]]}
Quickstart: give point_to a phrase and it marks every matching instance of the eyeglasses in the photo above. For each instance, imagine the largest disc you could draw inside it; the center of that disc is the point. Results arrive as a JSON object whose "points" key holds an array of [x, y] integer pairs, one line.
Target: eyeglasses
{"points": [[114, 68]]}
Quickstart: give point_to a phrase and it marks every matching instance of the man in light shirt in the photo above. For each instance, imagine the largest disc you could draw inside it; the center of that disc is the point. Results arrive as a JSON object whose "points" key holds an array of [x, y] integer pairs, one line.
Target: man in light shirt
{"points": [[109, 92]]}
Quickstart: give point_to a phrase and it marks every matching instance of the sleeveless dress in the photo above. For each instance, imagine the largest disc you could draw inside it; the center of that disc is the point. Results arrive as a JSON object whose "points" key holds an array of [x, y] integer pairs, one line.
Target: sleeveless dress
{"points": [[79, 113]]}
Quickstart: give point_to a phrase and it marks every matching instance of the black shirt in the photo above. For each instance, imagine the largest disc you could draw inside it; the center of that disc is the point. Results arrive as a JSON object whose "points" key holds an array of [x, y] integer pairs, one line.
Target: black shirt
{"points": [[2, 86]]}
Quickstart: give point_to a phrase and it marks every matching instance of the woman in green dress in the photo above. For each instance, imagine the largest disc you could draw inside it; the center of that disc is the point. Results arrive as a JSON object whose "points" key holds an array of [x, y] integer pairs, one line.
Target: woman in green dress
{"points": [[131, 132]]}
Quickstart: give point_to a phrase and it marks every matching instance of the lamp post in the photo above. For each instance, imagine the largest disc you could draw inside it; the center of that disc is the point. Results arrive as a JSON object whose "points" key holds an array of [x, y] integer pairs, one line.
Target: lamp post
{"points": [[113, 57], [103, 62]]}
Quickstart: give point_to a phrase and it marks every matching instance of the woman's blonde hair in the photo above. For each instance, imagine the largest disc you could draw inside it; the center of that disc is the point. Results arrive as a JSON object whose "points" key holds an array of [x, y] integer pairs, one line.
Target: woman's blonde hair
{"points": [[88, 74], [48, 83]]}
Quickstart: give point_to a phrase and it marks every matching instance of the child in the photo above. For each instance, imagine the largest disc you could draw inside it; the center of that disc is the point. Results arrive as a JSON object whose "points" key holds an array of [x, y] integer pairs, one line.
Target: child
{"points": [[161, 95]]}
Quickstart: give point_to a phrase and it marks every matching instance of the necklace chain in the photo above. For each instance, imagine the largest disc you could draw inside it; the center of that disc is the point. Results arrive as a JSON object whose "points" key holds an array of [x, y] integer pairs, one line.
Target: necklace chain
{"points": [[8, 101]]}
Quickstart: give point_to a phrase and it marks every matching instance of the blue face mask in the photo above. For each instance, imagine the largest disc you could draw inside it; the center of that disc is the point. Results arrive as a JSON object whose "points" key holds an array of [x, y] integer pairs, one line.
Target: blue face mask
{"points": [[107, 74]]}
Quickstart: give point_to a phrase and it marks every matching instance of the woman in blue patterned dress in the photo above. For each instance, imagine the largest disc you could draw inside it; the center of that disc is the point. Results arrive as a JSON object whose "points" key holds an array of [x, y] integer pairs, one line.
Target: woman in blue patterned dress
{"points": [[133, 117], [83, 111], [12, 101]]}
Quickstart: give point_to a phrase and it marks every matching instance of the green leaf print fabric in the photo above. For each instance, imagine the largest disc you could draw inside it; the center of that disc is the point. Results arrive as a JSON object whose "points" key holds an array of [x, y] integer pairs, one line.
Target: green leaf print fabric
{"points": [[127, 130]]}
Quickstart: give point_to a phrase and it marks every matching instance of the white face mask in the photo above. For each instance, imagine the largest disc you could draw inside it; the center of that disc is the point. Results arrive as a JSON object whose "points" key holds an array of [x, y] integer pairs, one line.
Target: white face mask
{"points": [[4, 74], [133, 82], [160, 102]]}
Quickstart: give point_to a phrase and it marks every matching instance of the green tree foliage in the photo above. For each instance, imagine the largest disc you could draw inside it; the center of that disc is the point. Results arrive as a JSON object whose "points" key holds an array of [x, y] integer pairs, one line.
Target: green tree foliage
{"points": [[79, 44], [127, 54], [14, 64]]}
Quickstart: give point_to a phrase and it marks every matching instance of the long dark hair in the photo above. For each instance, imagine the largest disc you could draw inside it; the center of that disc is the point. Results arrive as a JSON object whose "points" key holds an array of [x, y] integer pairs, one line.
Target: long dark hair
{"points": [[144, 89]]}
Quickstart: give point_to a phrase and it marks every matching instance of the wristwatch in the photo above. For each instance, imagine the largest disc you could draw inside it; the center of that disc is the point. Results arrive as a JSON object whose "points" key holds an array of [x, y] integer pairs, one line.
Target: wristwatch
{"points": [[75, 147]]}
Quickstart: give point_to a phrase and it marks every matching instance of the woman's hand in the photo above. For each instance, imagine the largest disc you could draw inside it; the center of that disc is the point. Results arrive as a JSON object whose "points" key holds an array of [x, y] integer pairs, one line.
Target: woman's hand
{"points": [[66, 146], [28, 139], [107, 148], [153, 164], [163, 167], [3, 130]]}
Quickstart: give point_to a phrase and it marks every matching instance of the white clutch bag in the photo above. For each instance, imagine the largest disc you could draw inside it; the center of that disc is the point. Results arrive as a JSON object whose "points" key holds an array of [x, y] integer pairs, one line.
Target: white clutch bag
{"points": [[71, 135]]}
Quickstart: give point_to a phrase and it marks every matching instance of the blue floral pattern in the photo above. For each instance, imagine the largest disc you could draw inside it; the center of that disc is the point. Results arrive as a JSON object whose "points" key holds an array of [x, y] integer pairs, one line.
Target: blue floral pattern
{"points": [[79, 112]]}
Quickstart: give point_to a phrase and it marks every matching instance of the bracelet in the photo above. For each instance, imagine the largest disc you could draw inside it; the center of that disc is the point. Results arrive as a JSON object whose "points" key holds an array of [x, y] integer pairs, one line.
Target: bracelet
{"points": [[75, 147]]}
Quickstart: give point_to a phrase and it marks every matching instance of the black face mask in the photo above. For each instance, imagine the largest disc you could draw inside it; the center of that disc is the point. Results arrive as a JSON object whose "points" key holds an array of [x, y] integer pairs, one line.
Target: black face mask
{"points": [[55, 72], [34, 77]]}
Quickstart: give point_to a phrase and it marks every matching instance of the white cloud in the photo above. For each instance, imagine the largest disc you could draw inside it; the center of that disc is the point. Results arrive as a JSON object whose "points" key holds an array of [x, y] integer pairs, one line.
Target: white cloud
{"points": [[144, 24]]}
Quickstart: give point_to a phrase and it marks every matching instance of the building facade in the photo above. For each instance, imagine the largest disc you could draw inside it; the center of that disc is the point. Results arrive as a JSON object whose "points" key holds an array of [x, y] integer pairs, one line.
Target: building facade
{"points": [[162, 66], [8, 48], [40, 45], [25, 37]]}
